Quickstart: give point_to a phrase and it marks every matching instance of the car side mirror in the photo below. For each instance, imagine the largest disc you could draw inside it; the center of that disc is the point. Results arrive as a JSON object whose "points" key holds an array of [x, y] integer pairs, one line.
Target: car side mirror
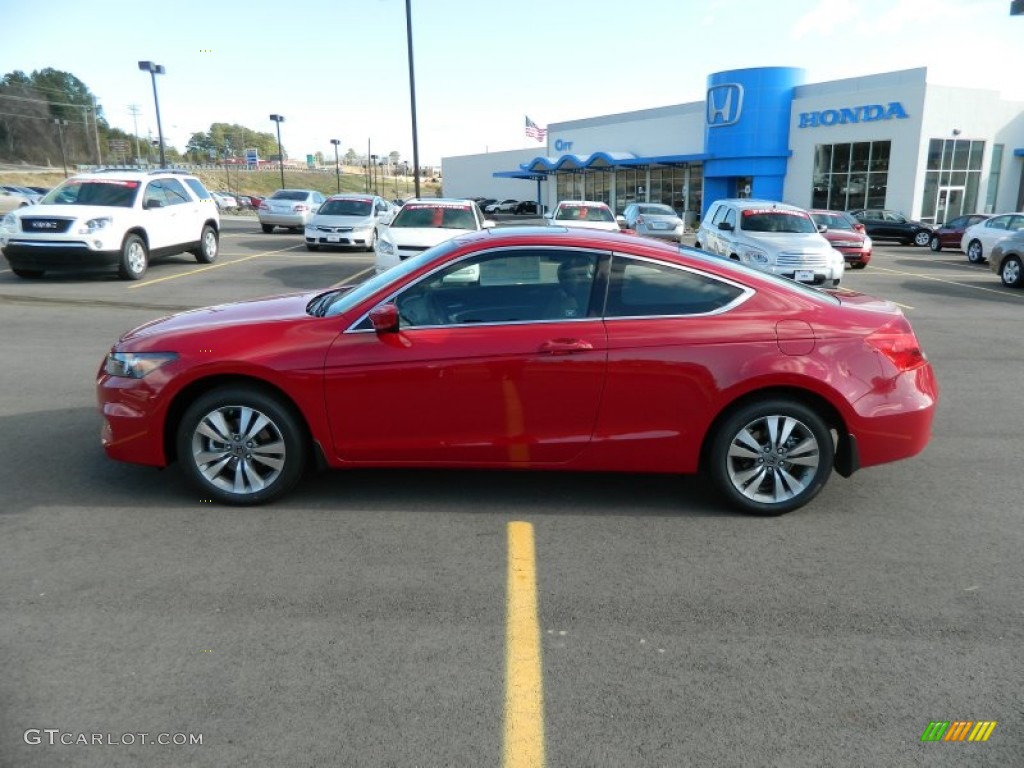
{"points": [[384, 318], [490, 224], [725, 226], [822, 228], [152, 203], [621, 220]]}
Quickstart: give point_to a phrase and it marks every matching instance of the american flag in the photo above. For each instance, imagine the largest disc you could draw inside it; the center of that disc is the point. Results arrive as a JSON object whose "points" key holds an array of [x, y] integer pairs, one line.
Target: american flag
{"points": [[534, 131]]}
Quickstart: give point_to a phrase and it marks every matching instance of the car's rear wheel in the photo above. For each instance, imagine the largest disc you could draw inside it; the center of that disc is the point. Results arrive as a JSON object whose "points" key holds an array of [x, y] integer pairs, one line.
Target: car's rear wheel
{"points": [[208, 246], [267, 228], [858, 265], [771, 457], [373, 241], [935, 243], [240, 445], [134, 258], [975, 253], [1011, 274], [922, 238], [311, 247]]}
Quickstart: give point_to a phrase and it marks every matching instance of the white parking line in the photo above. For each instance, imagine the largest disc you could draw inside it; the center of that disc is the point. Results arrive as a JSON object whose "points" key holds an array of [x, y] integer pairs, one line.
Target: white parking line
{"points": [[208, 267], [948, 282]]}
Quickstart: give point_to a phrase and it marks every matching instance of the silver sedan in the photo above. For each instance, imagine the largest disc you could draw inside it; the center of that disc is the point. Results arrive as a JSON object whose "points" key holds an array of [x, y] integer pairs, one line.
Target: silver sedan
{"points": [[289, 208], [654, 220]]}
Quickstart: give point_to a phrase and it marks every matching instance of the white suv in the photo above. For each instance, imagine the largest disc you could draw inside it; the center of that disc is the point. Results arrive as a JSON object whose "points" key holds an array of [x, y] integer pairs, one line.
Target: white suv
{"points": [[774, 237], [114, 218]]}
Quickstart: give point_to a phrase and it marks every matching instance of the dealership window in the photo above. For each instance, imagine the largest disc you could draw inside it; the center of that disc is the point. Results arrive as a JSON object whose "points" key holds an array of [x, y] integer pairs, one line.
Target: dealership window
{"points": [[850, 176], [952, 179]]}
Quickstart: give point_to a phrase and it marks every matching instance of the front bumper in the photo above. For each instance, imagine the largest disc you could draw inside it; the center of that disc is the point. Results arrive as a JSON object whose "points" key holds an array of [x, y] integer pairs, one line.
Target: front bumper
{"points": [[32, 254], [355, 238]]}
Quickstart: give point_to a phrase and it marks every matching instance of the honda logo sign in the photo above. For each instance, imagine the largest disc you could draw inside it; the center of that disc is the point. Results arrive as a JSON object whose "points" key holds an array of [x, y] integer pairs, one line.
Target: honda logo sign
{"points": [[724, 104]]}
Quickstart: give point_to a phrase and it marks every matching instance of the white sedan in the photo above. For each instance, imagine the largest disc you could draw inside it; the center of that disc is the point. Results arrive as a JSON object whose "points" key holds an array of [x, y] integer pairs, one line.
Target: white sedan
{"points": [[422, 224], [979, 240], [586, 214]]}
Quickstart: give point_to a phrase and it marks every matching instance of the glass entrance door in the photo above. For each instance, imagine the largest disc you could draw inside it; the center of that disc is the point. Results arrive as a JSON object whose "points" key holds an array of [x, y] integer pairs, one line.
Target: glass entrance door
{"points": [[949, 203]]}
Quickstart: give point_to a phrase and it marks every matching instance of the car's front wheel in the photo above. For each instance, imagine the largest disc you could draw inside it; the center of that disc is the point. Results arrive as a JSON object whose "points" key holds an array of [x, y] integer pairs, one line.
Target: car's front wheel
{"points": [[373, 241], [240, 445], [975, 253], [1011, 274], [134, 258], [267, 228], [922, 238], [935, 243], [209, 245], [771, 457], [27, 274]]}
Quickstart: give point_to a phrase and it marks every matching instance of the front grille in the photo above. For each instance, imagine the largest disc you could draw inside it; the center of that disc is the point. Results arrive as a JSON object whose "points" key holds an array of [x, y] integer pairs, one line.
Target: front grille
{"points": [[802, 260], [45, 224], [333, 230]]}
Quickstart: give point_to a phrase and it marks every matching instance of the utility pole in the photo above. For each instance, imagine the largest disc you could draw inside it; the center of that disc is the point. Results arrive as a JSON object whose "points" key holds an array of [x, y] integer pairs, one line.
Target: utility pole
{"points": [[96, 129], [134, 111]]}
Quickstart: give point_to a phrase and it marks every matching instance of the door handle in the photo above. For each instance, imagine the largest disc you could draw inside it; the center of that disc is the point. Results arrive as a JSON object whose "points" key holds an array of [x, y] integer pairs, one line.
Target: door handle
{"points": [[565, 346]]}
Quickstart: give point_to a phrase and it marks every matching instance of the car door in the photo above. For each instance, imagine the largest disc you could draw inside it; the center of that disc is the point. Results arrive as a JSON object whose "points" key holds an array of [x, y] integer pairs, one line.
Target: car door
{"points": [[159, 216], [479, 373], [187, 215], [992, 231]]}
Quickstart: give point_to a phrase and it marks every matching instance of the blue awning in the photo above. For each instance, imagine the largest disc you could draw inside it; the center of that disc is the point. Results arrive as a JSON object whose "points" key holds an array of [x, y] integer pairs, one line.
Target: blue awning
{"points": [[543, 166], [1019, 152]]}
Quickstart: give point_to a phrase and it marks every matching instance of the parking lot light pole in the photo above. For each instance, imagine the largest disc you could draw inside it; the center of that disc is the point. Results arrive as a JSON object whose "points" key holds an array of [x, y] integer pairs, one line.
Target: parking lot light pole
{"points": [[63, 156], [280, 152], [337, 163], [373, 173], [154, 70]]}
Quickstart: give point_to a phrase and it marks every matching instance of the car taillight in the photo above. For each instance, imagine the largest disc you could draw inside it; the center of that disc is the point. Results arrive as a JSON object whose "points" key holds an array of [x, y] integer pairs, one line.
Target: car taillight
{"points": [[900, 346], [639, 220], [264, 207], [860, 228]]}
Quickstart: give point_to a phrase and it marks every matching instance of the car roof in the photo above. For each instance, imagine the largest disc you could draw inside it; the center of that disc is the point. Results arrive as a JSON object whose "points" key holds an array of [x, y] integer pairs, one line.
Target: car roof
{"points": [[753, 202]]}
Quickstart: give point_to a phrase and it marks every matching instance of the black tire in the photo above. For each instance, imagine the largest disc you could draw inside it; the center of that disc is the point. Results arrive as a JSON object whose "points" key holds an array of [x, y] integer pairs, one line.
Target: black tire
{"points": [[267, 228], [697, 245], [209, 246], [28, 274], [134, 258], [237, 470], [311, 247], [373, 241], [922, 238], [749, 478], [1011, 272], [858, 265], [935, 243], [294, 230], [975, 252]]}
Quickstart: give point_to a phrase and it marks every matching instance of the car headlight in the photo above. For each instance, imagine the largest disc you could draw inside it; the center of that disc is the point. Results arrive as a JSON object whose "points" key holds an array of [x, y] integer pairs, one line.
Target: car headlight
{"points": [[135, 365], [92, 226], [755, 255], [9, 222], [867, 243], [385, 247]]}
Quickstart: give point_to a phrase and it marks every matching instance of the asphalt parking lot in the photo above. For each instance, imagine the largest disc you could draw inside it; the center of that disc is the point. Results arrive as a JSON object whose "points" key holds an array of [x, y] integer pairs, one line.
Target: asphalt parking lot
{"points": [[362, 620]]}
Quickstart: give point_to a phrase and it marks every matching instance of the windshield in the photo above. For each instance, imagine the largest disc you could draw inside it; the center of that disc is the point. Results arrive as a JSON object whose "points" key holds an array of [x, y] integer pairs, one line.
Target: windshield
{"points": [[346, 208], [289, 194], [435, 216], [346, 301], [107, 192], [657, 210], [789, 222], [584, 213], [832, 220]]}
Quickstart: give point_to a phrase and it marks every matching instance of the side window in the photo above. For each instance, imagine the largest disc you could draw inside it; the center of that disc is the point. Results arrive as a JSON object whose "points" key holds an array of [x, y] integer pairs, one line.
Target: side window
{"points": [[155, 196], [197, 187], [511, 286], [174, 192], [999, 222], [718, 215], [643, 289], [730, 217]]}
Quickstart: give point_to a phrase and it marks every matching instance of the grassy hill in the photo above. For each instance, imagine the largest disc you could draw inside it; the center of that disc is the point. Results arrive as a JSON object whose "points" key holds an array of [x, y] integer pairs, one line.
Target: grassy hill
{"points": [[264, 182]]}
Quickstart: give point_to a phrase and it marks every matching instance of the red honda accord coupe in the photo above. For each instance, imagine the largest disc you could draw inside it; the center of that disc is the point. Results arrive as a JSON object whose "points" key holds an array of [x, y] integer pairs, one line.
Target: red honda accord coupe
{"points": [[529, 348]]}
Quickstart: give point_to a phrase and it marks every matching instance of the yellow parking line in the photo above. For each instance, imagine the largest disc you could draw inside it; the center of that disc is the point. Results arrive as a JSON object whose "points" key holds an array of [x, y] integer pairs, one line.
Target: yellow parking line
{"points": [[948, 282], [352, 278], [208, 267], [524, 692]]}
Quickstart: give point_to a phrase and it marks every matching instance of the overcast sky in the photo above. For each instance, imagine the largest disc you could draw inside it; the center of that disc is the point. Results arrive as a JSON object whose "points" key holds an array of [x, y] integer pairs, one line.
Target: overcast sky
{"points": [[339, 68]]}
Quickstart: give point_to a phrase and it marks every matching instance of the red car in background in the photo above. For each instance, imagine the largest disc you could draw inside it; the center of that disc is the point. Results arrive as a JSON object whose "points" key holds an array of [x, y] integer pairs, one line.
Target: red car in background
{"points": [[846, 235], [529, 348], [950, 234]]}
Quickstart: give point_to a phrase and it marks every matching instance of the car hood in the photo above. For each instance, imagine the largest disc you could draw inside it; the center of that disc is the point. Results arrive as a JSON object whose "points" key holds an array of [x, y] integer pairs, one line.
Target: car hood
{"points": [[836, 235], [79, 212], [422, 235], [358, 222], [267, 310], [793, 242]]}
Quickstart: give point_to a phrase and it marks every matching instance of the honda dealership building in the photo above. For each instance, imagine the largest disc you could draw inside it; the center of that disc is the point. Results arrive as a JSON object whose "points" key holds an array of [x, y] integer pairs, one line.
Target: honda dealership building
{"points": [[889, 140]]}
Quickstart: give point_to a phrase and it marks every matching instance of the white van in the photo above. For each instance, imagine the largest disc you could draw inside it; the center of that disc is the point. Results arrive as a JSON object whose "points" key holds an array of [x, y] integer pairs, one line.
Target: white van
{"points": [[775, 237]]}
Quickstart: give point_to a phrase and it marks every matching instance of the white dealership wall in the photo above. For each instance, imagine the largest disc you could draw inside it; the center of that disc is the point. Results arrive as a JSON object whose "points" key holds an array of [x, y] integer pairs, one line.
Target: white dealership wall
{"points": [[933, 112]]}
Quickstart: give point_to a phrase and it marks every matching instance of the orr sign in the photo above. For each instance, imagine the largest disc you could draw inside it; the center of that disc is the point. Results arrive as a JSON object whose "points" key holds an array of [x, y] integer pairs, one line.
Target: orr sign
{"points": [[867, 113]]}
